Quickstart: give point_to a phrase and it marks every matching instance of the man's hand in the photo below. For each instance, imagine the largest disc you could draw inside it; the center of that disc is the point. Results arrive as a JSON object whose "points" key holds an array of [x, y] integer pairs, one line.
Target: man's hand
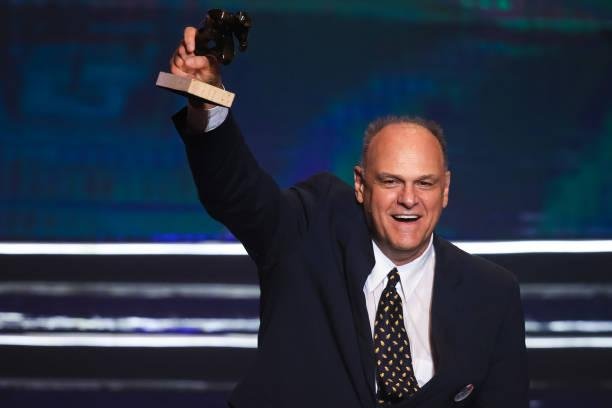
{"points": [[186, 64]]}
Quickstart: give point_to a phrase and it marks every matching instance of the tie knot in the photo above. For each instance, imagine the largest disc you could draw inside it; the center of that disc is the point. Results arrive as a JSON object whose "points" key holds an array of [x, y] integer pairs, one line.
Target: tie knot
{"points": [[393, 277]]}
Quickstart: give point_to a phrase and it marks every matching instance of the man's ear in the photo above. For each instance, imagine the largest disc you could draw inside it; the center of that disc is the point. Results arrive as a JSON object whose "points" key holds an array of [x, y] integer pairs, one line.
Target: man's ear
{"points": [[446, 189], [359, 180]]}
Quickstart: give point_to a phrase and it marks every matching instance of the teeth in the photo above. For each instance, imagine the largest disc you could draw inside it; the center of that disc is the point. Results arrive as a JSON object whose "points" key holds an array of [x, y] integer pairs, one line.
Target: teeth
{"points": [[406, 217]]}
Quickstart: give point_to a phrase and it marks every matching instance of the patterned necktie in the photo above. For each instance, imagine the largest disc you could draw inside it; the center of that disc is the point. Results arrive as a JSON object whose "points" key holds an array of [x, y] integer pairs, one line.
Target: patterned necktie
{"points": [[394, 373]]}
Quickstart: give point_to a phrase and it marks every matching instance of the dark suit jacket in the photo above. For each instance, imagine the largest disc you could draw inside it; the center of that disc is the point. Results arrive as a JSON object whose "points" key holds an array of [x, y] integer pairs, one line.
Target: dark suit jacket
{"points": [[313, 251]]}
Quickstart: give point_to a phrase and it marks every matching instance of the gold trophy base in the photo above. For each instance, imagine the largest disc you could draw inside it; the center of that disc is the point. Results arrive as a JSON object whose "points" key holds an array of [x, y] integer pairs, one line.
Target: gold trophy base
{"points": [[188, 86]]}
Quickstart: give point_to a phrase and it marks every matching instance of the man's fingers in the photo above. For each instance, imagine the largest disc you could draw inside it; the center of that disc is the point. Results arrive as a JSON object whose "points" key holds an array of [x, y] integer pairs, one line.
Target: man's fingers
{"points": [[177, 71], [182, 51], [185, 63], [197, 62], [177, 60], [189, 39]]}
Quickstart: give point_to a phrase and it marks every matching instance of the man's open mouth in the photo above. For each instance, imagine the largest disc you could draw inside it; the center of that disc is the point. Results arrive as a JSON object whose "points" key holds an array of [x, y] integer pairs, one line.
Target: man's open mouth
{"points": [[406, 217]]}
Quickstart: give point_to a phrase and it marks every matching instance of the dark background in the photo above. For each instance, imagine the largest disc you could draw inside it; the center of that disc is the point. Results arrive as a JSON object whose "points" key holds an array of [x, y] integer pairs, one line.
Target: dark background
{"points": [[522, 88], [88, 153]]}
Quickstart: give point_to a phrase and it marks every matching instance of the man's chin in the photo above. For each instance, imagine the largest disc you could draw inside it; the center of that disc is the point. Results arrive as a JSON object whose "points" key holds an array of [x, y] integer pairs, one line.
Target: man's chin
{"points": [[408, 250]]}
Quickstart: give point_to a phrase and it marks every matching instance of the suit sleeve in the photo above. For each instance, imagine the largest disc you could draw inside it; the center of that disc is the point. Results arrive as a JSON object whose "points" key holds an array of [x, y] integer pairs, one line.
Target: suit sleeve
{"points": [[507, 381], [232, 187]]}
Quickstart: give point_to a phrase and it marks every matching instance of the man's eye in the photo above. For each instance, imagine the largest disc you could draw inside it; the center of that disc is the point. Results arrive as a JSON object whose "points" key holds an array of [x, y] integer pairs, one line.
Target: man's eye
{"points": [[389, 182], [424, 183]]}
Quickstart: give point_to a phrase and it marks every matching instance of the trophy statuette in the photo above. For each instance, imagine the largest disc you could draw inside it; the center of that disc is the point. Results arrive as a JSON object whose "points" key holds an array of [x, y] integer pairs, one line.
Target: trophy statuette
{"points": [[215, 38]]}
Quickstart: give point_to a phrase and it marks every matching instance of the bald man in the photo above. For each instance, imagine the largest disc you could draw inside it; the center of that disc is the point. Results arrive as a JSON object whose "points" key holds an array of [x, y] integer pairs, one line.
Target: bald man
{"points": [[362, 305]]}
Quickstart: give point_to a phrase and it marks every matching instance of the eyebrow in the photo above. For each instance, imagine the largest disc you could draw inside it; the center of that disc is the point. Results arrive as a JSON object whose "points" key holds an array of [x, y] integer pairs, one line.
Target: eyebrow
{"points": [[384, 175], [428, 176], [422, 177]]}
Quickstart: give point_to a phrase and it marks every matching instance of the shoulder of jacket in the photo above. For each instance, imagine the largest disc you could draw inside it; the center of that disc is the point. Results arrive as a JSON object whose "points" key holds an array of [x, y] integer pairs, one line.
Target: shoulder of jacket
{"points": [[481, 271], [320, 186]]}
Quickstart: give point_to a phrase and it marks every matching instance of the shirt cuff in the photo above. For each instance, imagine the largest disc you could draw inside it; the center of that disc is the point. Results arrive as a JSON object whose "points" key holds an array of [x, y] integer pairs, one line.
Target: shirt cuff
{"points": [[216, 116], [205, 120]]}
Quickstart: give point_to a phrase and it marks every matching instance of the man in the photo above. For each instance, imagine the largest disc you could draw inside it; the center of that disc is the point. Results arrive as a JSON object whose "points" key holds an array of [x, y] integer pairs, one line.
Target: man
{"points": [[361, 304]]}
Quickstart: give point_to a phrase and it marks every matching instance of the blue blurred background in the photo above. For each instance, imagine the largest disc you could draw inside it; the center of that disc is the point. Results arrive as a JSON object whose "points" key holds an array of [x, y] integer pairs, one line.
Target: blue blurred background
{"points": [[88, 154], [522, 89]]}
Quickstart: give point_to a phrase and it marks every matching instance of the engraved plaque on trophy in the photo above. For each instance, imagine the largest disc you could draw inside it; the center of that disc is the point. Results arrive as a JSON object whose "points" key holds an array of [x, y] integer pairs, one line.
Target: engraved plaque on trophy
{"points": [[214, 38]]}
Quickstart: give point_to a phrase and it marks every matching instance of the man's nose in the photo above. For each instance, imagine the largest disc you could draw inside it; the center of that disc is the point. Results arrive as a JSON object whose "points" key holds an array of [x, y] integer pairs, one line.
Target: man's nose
{"points": [[407, 196]]}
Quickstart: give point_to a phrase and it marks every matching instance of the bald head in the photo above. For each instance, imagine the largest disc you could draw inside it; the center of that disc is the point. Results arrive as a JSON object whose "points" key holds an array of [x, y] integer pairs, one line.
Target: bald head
{"points": [[377, 125]]}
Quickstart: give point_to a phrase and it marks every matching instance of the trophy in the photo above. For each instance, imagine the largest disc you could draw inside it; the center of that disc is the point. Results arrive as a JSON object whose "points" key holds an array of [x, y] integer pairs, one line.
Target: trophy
{"points": [[215, 38]]}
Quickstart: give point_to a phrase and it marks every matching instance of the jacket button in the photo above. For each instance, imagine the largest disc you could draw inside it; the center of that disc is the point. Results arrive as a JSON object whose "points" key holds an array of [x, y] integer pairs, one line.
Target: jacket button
{"points": [[464, 393]]}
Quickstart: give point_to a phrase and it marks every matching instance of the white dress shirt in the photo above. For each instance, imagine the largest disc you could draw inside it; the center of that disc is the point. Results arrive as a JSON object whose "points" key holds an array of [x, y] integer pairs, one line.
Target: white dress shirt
{"points": [[415, 289]]}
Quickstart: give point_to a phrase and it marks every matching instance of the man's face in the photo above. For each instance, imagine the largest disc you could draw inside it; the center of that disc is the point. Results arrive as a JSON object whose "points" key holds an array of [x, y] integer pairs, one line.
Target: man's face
{"points": [[403, 189]]}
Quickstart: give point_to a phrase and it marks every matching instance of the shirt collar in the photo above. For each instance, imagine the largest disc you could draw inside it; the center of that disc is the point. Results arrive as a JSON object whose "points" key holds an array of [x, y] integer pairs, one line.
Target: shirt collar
{"points": [[383, 266]]}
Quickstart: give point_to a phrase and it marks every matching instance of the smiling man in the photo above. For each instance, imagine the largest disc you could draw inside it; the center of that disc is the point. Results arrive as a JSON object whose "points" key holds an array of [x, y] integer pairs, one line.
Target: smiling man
{"points": [[362, 305], [405, 186]]}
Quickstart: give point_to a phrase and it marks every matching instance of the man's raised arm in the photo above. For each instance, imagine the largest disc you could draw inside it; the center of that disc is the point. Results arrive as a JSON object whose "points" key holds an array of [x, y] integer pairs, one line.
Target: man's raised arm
{"points": [[231, 185]]}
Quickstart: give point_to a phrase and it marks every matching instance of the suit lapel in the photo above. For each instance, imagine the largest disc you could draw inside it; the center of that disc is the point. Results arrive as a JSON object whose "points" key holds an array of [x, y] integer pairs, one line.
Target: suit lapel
{"points": [[445, 313], [358, 259]]}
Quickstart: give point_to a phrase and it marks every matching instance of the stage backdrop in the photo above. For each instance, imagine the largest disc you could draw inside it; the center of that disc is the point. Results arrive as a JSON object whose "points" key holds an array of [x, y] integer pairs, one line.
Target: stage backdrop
{"points": [[522, 88]]}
